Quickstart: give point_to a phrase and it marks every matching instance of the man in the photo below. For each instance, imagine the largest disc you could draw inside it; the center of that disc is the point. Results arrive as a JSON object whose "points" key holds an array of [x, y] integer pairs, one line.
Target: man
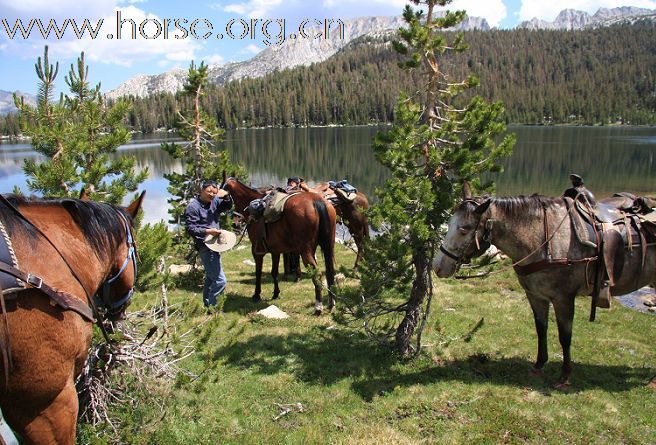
{"points": [[295, 184], [201, 219]]}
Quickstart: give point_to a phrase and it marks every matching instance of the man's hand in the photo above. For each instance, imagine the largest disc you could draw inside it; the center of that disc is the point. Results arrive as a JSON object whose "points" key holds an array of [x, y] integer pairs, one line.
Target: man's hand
{"points": [[212, 231], [222, 193]]}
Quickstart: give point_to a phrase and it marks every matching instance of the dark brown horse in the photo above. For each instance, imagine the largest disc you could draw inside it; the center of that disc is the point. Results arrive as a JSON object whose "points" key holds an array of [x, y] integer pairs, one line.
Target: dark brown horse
{"points": [[65, 252], [552, 265], [306, 222], [351, 213]]}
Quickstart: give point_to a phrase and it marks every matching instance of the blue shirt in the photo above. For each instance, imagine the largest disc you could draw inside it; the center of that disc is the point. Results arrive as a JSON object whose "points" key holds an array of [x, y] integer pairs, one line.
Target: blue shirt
{"points": [[199, 216]]}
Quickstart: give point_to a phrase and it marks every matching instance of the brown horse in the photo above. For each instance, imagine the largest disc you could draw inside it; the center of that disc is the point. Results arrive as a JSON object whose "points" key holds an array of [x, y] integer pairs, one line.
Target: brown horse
{"points": [[351, 213], [306, 222], [66, 254], [553, 266]]}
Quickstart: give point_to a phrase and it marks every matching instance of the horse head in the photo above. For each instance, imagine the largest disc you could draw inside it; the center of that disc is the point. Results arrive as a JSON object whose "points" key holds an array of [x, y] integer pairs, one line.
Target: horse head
{"points": [[116, 291], [240, 193], [467, 236]]}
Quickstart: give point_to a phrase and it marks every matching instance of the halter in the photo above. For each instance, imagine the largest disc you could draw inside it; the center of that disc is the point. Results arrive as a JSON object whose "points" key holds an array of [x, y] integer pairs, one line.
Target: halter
{"points": [[115, 307], [460, 259]]}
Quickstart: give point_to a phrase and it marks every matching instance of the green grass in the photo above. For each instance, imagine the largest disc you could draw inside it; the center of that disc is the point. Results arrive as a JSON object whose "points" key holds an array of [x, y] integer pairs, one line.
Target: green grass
{"points": [[462, 389]]}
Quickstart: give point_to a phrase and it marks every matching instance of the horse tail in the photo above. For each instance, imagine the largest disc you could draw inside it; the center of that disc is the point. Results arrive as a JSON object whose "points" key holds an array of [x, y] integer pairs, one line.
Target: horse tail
{"points": [[326, 240]]}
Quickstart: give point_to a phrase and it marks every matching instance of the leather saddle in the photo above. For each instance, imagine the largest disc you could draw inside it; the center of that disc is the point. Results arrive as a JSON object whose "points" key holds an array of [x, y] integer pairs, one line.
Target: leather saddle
{"points": [[611, 226]]}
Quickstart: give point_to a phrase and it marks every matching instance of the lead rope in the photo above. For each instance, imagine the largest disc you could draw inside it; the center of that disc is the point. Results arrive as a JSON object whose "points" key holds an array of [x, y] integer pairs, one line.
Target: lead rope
{"points": [[6, 345], [516, 263]]}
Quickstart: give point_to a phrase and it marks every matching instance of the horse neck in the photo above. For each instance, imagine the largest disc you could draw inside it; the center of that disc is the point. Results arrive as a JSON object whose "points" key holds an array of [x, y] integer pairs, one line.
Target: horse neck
{"points": [[519, 233], [242, 195]]}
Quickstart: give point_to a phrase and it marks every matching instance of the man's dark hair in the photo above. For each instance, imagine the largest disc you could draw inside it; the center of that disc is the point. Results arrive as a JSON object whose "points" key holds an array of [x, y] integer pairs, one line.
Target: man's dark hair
{"points": [[206, 183]]}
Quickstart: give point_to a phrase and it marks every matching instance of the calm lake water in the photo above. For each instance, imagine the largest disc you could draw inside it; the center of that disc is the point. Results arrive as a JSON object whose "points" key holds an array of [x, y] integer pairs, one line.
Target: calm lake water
{"points": [[609, 158]]}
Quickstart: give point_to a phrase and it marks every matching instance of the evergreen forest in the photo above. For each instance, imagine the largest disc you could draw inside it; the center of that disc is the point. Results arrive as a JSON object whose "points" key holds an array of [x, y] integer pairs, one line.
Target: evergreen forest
{"points": [[590, 77]]}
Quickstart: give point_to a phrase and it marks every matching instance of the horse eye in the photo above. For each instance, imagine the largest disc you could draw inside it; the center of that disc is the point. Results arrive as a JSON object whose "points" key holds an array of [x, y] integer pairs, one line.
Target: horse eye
{"points": [[463, 230]]}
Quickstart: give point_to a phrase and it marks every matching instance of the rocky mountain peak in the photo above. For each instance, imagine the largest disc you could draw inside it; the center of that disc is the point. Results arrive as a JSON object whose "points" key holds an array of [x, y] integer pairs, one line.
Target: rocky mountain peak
{"points": [[292, 53]]}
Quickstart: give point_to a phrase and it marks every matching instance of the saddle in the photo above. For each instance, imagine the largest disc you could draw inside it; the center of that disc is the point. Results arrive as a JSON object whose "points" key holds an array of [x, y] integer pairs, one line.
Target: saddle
{"points": [[611, 227], [268, 209]]}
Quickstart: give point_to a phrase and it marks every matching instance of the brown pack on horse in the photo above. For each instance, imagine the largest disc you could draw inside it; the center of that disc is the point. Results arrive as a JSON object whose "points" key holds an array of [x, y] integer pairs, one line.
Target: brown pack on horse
{"points": [[306, 222], [76, 263]]}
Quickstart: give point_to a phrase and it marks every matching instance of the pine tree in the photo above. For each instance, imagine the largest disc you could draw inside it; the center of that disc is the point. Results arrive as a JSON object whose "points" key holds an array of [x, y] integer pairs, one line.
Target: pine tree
{"points": [[78, 136], [201, 133], [436, 143]]}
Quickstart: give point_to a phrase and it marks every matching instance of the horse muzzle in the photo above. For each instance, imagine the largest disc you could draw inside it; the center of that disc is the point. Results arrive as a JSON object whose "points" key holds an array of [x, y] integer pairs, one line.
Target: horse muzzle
{"points": [[444, 266]]}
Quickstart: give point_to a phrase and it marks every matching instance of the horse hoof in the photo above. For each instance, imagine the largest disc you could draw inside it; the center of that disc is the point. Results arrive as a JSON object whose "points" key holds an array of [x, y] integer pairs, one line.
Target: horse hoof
{"points": [[317, 312], [256, 298], [275, 296]]}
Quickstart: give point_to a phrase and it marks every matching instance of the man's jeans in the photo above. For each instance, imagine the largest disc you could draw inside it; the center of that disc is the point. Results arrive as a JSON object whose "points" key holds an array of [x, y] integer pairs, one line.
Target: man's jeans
{"points": [[215, 279]]}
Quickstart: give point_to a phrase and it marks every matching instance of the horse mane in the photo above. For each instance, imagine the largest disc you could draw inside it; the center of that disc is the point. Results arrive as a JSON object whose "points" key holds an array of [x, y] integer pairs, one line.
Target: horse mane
{"points": [[99, 222], [532, 205]]}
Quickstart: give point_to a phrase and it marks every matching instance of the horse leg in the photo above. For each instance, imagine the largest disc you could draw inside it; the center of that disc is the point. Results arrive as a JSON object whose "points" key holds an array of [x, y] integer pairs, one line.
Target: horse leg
{"points": [[54, 424], [358, 238], [259, 260], [564, 308], [540, 309], [307, 256], [275, 261]]}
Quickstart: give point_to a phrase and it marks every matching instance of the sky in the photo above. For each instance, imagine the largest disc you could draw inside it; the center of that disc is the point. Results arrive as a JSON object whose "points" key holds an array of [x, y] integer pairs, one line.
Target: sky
{"points": [[159, 35]]}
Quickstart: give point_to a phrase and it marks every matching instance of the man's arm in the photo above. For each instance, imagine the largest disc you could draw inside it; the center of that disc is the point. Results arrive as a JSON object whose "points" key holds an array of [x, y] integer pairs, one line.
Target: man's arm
{"points": [[195, 226]]}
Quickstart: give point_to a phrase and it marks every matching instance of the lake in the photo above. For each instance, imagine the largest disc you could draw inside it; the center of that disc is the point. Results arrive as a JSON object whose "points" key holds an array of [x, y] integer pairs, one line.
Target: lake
{"points": [[610, 159]]}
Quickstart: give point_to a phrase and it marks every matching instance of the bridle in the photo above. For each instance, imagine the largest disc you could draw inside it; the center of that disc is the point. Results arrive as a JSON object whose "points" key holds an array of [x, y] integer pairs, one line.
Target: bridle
{"points": [[109, 307], [484, 237], [113, 308]]}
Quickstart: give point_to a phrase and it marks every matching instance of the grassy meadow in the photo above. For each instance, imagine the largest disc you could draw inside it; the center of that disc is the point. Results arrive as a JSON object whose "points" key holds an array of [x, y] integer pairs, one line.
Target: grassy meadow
{"points": [[312, 380]]}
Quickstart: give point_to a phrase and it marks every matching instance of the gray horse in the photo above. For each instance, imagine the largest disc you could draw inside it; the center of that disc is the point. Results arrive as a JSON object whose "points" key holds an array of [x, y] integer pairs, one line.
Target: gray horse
{"points": [[553, 266]]}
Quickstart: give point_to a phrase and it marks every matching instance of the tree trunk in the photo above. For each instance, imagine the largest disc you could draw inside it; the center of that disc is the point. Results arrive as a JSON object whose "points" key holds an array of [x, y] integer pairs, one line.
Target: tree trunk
{"points": [[405, 331]]}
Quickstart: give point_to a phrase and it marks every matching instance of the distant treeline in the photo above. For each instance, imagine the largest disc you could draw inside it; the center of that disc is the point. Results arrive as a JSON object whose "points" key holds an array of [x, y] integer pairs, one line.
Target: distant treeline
{"points": [[596, 76]]}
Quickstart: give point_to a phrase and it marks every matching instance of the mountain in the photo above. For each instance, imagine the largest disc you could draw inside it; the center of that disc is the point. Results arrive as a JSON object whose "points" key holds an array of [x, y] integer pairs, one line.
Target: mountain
{"points": [[7, 101], [572, 19], [292, 53]]}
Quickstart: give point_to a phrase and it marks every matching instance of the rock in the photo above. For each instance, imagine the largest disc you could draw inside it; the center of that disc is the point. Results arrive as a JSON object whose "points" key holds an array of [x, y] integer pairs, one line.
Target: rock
{"points": [[272, 312], [249, 262], [177, 269]]}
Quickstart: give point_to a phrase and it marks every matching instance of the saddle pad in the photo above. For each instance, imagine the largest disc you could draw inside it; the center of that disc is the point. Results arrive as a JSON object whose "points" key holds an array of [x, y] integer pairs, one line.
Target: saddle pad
{"points": [[583, 230], [346, 195], [8, 282], [275, 205]]}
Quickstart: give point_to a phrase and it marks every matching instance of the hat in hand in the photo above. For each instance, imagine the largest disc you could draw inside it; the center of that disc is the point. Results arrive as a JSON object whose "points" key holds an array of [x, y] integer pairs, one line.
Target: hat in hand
{"points": [[220, 243]]}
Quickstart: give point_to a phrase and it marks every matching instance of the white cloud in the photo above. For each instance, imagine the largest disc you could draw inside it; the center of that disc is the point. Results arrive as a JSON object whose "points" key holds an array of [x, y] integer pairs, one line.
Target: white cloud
{"points": [[122, 52], [56, 9], [213, 59], [251, 49], [253, 8], [549, 10]]}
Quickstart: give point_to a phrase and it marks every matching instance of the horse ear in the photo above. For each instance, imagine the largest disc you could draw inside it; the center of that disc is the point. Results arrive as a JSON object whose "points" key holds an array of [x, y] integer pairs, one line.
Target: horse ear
{"points": [[233, 174], [483, 207], [135, 206], [83, 195], [225, 177], [466, 190]]}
